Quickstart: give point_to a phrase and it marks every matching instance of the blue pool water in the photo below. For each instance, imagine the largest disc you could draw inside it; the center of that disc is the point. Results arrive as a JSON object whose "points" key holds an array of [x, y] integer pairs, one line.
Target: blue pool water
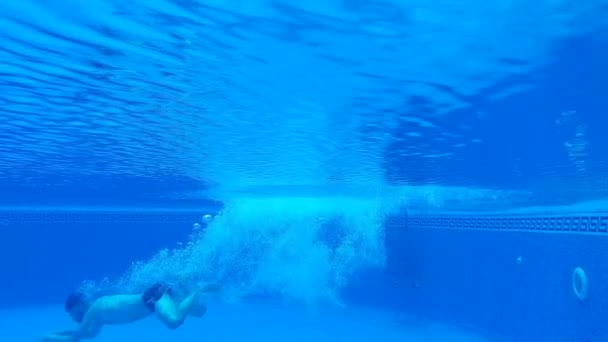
{"points": [[376, 170]]}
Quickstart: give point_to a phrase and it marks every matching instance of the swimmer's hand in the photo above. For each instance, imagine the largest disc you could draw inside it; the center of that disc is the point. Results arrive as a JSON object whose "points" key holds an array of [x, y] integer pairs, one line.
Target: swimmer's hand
{"points": [[61, 336]]}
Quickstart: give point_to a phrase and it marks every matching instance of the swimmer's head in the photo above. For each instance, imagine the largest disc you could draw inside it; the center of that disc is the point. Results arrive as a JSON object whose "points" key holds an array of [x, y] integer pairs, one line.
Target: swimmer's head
{"points": [[77, 306]]}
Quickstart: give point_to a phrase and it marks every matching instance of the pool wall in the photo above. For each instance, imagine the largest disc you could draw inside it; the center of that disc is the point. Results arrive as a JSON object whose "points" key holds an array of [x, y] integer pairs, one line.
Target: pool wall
{"points": [[511, 276], [506, 276]]}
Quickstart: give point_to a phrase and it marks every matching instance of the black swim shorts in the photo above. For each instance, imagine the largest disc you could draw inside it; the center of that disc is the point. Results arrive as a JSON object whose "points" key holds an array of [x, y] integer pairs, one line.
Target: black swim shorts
{"points": [[153, 294]]}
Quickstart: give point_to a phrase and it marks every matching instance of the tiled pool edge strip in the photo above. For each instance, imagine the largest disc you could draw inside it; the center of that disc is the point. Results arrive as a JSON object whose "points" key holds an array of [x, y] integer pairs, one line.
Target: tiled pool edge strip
{"points": [[98, 216], [594, 223]]}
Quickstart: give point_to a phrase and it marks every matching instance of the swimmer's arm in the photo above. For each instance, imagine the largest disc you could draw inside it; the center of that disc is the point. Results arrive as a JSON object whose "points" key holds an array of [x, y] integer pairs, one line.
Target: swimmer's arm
{"points": [[87, 330], [58, 336], [90, 329]]}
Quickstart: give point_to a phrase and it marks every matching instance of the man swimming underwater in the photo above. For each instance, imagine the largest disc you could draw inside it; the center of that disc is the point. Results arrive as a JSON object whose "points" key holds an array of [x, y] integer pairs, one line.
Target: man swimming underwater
{"points": [[159, 299]]}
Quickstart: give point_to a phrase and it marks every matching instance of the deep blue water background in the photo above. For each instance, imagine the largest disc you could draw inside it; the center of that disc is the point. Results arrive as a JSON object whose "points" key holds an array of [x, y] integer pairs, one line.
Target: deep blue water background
{"points": [[466, 277]]}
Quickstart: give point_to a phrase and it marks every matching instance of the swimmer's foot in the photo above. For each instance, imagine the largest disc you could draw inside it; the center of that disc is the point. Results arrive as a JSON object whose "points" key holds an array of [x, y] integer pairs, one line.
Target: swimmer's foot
{"points": [[198, 310], [212, 287]]}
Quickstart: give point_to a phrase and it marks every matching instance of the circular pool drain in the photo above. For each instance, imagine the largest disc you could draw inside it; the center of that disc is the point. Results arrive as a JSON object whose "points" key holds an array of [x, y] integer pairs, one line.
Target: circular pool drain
{"points": [[579, 283]]}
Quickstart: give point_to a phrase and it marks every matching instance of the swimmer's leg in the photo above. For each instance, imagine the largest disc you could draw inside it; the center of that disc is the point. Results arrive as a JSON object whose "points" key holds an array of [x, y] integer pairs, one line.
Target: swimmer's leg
{"points": [[198, 309], [173, 314], [160, 298]]}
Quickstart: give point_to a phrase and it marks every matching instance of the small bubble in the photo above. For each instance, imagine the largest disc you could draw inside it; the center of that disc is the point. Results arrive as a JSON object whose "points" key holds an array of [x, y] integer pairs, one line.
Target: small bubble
{"points": [[207, 218]]}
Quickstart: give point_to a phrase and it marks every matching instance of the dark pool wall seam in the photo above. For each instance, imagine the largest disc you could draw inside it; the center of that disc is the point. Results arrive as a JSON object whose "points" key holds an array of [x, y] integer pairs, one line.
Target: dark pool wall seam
{"points": [[98, 216]]}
